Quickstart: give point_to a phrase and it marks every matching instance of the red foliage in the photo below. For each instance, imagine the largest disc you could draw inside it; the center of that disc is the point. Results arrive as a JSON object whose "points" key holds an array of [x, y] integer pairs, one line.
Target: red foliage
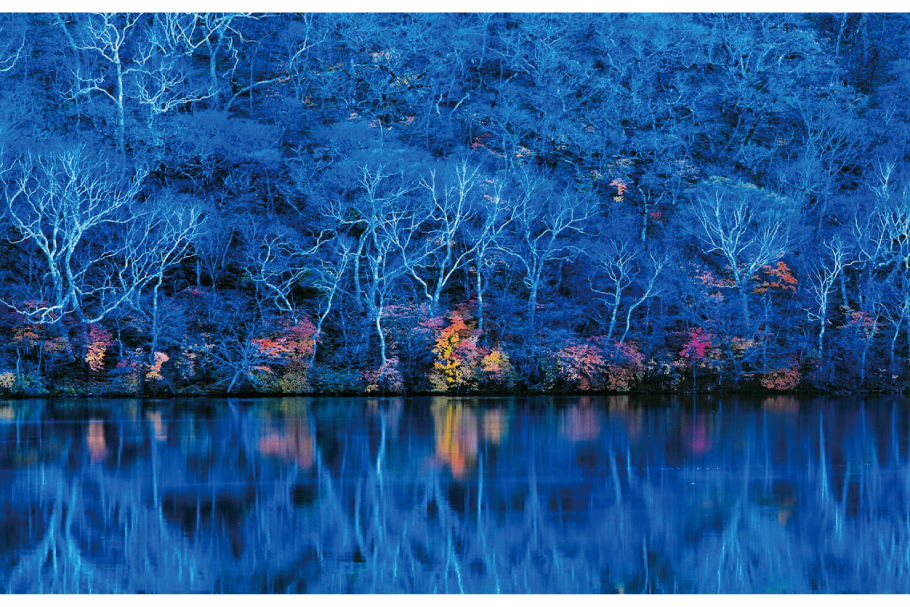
{"points": [[581, 365], [292, 343], [698, 344], [598, 364], [290, 348]]}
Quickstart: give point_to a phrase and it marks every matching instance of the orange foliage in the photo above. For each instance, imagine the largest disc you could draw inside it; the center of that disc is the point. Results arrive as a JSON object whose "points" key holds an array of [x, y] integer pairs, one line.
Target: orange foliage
{"points": [[621, 186], [390, 374], [186, 362], [580, 365], [290, 349], [498, 368], [294, 342], [776, 277], [457, 354], [58, 345], [625, 365], [460, 362], [710, 279]]}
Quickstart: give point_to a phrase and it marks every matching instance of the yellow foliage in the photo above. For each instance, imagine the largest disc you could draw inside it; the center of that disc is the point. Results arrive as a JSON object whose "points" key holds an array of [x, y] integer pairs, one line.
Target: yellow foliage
{"points": [[7, 379], [154, 372]]}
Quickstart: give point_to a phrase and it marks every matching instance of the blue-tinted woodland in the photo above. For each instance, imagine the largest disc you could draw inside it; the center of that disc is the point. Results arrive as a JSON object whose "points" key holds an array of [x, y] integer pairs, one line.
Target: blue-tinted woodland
{"points": [[286, 204]]}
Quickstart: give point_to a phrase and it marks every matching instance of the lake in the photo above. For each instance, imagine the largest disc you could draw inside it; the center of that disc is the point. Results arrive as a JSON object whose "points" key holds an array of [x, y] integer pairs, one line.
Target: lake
{"points": [[616, 494]]}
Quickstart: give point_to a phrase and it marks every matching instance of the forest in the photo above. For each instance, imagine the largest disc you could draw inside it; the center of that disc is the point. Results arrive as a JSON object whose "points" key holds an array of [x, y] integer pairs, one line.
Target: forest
{"points": [[197, 204]]}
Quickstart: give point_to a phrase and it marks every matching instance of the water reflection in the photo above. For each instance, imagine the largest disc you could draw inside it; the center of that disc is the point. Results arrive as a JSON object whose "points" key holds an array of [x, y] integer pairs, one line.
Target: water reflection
{"points": [[613, 494]]}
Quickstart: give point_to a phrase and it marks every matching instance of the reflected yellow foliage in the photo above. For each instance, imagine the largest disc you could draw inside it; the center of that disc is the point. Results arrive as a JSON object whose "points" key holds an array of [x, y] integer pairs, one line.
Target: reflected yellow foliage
{"points": [[291, 407], [781, 404], [632, 418], [94, 439], [587, 401], [616, 404], [157, 425], [7, 413], [495, 425], [456, 436]]}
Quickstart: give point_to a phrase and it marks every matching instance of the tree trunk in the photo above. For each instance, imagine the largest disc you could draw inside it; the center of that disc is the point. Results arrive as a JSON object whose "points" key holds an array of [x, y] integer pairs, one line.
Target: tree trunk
{"points": [[121, 118], [532, 305], [480, 301], [616, 298], [234, 381], [821, 339], [213, 76], [381, 346], [358, 295], [155, 325], [745, 303]]}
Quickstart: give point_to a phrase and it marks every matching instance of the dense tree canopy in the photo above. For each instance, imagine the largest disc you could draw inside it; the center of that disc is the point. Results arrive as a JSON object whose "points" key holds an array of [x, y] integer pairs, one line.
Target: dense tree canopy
{"points": [[347, 203]]}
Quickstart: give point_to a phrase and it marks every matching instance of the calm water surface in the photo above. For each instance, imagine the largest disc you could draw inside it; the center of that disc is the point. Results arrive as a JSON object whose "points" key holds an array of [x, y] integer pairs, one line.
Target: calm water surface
{"points": [[612, 494]]}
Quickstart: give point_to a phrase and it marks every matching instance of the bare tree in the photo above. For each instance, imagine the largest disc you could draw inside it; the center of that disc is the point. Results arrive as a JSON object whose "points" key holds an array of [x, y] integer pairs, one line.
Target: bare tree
{"points": [[162, 75], [496, 214], [159, 241], [433, 247], [615, 261], [276, 260], [747, 227], [330, 270], [105, 37], [214, 247], [821, 284], [9, 53], [383, 223], [217, 33], [623, 265], [542, 230], [63, 203]]}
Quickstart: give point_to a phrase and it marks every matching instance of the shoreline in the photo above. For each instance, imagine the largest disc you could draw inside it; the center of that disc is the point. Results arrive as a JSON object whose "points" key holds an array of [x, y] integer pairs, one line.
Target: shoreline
{"points": [[745, 393]]}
